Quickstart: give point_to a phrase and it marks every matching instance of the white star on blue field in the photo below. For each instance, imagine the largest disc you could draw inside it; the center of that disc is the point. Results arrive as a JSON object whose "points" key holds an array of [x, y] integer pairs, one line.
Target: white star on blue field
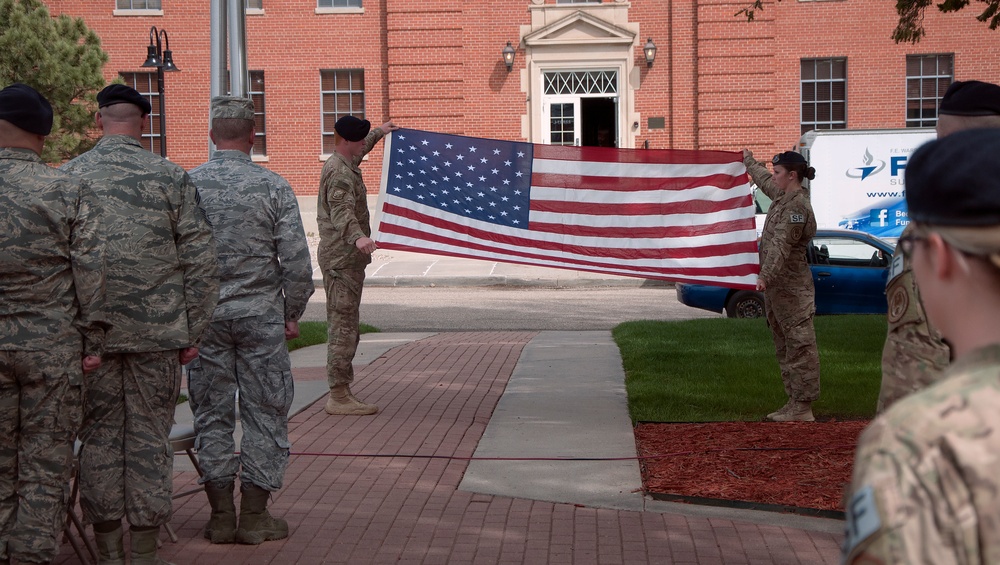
{"points": [[481, 179]]}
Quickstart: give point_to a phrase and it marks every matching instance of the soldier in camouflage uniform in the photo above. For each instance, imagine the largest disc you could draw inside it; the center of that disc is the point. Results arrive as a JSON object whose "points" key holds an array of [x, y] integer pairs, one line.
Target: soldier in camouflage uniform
{"points": [[785, 278], [52, 273], [925, 486], [265, 284], [162, 289], [345, 248], [914, 354]]}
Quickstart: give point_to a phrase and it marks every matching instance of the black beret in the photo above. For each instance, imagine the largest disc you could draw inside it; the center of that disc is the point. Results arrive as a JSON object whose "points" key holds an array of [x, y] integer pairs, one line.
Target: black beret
{"points": [[955, 180], [971, 98], [24, 107], [352, 129], [788, 158], [121, 94]]}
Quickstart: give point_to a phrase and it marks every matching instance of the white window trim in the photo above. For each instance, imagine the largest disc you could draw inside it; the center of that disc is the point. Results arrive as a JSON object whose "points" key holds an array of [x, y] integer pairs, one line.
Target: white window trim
{"points": [[255, 11], [136, 12], [259, 158], [346, 10]]}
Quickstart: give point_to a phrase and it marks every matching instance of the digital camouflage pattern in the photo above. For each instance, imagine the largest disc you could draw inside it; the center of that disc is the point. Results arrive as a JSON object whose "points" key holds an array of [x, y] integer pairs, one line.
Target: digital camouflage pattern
{"points": [[248, 354], [162, 282], [925, 486], [264, 266], [342, 210], [914, 355], [52, 289], [41, 393], [343, 219], [789, 294], [162, 288], [343, 313], [265, 280], [52, 258], [126, 463]]}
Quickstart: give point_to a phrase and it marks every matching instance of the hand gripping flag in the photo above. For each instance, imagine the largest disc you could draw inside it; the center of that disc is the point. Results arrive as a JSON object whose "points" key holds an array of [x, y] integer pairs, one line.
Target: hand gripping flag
{"points": [[675, 215]]}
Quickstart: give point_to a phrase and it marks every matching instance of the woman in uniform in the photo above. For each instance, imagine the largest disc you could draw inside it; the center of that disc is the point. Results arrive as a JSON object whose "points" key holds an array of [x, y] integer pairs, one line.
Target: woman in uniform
{"points": [[786, 280]]}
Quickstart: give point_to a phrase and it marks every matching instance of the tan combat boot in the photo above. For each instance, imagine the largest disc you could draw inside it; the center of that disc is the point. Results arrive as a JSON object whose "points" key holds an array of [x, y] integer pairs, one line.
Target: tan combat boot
{"points": [[343, 403], [221, 526], [108, 538], [256, 523], [798, 412], [779, 411], [144, 546]]}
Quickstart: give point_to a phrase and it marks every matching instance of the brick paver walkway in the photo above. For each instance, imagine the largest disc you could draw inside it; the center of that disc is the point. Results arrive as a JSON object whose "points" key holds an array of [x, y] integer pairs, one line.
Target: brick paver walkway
{"points": [[436, 397]]}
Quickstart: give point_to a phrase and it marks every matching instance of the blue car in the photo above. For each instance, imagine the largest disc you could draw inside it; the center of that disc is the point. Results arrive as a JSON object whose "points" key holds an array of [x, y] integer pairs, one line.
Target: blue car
{"points": [[849, 270]]}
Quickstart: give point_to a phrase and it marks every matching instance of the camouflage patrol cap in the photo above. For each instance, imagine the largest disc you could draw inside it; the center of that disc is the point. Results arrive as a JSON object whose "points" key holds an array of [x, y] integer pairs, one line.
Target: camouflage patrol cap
{"points": [[24, 107], [955, 180], [233, 107], [971, 98]]}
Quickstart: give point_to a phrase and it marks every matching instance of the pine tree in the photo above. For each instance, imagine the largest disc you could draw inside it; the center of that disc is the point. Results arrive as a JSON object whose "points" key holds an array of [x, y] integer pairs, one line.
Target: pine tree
{"points": [[62, 59]]}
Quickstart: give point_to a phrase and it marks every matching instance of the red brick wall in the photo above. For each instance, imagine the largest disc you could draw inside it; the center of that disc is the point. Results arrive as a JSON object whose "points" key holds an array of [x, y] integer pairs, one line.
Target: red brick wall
{"points": [[719, 81]]}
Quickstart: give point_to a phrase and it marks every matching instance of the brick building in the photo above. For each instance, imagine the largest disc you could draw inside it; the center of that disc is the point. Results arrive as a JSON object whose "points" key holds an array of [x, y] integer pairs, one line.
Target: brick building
{"points": [[579, 73]]}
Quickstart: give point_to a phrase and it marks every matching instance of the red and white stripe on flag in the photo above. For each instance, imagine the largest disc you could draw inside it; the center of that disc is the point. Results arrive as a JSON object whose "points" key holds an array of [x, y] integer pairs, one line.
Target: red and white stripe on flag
{"points": [[676, 215]]}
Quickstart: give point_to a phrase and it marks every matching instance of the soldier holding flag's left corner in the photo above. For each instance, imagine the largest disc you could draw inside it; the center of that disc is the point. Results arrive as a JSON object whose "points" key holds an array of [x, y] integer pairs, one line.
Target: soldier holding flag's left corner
{"points": [[52, 326]]}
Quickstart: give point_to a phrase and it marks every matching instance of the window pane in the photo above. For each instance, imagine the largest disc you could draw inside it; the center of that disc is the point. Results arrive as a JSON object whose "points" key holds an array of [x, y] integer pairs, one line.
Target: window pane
{"points": [[145, 83], [139, 5], [824, 94], [927, 79], [341, 94], [255, 4], [338, 3], [256, 91]]}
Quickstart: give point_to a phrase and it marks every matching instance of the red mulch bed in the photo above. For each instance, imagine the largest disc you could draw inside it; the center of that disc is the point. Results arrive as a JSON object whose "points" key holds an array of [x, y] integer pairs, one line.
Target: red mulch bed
{"points": [[805, 465]]}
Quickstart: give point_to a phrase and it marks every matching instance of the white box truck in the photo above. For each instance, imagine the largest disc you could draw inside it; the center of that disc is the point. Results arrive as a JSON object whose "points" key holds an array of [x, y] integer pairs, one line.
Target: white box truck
{"points": [[859, 182]]}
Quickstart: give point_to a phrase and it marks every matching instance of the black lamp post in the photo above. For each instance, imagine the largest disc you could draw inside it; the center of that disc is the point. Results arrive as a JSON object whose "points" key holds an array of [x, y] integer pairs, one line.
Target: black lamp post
{"points": [[163, 60]]}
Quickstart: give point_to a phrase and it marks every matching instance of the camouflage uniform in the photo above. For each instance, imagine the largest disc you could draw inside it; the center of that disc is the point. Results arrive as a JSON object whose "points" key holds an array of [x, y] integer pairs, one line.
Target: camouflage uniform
{"points": [[343, 219], [265, 280], [925, 486], [789, 295], [914, 355], [162, 289], [52, 277]]}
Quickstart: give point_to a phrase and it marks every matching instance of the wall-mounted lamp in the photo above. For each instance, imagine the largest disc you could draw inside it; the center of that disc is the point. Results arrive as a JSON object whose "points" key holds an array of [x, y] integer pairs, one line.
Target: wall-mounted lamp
{"points": [[508, 56], [649, 51]]}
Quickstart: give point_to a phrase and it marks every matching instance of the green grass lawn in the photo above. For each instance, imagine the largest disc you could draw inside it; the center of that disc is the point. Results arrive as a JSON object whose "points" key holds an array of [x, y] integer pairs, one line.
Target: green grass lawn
{"points": [[314, 333], [724, 369]]}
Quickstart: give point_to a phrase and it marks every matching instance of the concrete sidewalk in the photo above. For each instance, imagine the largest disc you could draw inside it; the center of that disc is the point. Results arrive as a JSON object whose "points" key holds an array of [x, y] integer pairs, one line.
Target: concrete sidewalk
{"points": [[408, 484]]}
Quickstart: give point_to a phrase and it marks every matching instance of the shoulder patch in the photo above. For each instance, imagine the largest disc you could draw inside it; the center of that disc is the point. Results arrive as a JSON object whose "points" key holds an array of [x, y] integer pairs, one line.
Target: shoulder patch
{"points": [[797, 219], [338, 194], [862, 519]]}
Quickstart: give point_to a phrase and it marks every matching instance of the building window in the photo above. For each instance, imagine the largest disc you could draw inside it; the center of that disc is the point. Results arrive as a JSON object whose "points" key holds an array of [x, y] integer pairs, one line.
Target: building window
{"points": [[139, 5], [343, 93], [338, 3], [927, 79], [145, 83], [824, 94], [255, 4], [257, 95]]}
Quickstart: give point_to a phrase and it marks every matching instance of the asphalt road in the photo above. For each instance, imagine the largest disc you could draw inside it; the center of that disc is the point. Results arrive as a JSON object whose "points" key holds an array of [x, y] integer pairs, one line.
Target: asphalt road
{"points": [[406, 309]]}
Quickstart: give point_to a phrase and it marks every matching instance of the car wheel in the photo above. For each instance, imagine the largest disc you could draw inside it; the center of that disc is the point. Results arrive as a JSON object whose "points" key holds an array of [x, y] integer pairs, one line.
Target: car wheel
{"points": [[745, 304]]}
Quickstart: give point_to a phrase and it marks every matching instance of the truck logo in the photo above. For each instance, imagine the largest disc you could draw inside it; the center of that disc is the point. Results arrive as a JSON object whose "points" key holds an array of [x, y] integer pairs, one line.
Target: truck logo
{"points": [[868, 170]]}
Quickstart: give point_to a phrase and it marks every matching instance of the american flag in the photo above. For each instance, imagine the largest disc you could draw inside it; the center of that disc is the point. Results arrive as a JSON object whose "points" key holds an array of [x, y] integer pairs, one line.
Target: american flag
{"points": [[674, 215]]}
